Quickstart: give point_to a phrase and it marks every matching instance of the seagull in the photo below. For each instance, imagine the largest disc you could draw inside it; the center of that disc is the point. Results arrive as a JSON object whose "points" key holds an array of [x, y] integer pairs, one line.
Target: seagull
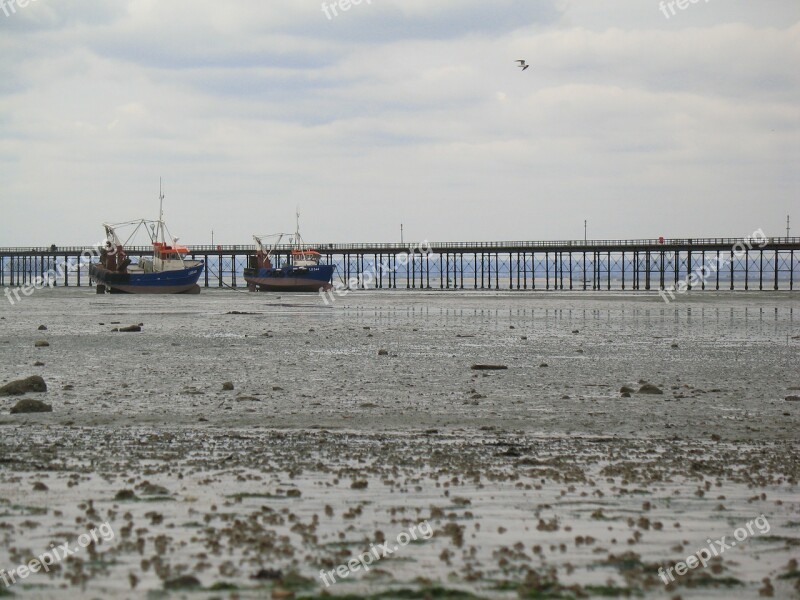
{"points": [[523, 65]]}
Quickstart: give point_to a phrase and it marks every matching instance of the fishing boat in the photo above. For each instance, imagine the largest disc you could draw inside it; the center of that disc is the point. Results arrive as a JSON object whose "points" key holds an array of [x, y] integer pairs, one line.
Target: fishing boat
{"points": [[300, 272], [167, 271]]}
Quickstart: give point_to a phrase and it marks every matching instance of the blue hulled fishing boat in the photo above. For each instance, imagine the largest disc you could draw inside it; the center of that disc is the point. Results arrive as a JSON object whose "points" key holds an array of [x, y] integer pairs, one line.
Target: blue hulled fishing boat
{"points": [[166, 272], [300, 272]]}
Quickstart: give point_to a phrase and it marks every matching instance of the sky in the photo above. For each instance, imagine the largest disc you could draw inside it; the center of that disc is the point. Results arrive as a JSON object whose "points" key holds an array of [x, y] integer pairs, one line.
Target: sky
{"points": [[641, 119]]}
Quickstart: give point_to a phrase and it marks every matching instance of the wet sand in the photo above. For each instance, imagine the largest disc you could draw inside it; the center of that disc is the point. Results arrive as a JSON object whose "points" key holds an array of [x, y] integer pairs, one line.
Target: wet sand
{"points": [[538, 481]]}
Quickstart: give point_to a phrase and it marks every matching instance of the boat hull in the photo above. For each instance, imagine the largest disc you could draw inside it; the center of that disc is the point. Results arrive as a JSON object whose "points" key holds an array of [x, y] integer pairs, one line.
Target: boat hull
{"points": [[290, 279], [181, 281]]}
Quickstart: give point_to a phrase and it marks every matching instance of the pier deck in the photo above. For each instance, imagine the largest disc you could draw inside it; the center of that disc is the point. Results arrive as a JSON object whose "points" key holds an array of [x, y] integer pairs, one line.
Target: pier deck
{"points": [[636, 264]]}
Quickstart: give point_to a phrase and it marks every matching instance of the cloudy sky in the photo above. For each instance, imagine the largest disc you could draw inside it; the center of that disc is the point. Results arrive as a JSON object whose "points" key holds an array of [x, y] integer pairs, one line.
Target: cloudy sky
{"points": [[395, 111]]}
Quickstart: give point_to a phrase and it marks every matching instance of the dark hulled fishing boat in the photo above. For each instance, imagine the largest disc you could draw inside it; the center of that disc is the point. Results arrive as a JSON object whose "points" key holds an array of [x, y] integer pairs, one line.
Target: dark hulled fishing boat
{"points": [[301, 272], [166, 272]]}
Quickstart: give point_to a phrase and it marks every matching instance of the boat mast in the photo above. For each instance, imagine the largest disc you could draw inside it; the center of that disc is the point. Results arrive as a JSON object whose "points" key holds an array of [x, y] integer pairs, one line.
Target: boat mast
{"points": [[301, 254], [297, 228], [161, 213]]}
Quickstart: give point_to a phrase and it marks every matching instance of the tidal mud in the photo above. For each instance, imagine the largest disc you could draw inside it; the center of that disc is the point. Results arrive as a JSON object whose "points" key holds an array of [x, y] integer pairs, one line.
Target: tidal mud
{"points": [[558, 481]]}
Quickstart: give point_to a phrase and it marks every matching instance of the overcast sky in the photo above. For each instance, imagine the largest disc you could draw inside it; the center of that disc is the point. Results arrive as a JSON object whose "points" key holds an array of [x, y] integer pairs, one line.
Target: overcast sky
{"points": [[395, 111]]}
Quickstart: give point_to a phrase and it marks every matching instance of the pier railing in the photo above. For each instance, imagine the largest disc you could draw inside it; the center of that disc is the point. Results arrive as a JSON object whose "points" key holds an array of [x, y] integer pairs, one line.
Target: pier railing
{"points": [[333, 248], [634, 264]]}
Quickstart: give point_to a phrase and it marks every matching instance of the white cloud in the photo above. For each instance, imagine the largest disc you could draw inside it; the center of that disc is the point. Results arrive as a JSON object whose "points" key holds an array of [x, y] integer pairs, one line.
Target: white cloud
{"points": [[400, 110]]}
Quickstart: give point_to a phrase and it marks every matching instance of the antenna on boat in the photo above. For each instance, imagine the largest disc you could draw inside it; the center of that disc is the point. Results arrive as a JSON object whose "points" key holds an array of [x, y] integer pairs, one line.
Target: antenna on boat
{"points": [[161, 211]]}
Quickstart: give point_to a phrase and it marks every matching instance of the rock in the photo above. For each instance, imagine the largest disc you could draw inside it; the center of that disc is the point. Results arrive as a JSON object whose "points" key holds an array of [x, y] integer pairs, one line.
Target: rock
{"points": [[42, 344], [268, 575], [40, 487], [359, 485], [227, 386], [792, 398], [625, 395], [126, 495], [130, 329], [294, 493], [42, 327], [38, 363], [675, 346], [151, 489], [23, 386], [575, 331], [649, 388], [489, 368], [383, 352], [626, 390], [29, 405], [543, 366], [184, 582]]}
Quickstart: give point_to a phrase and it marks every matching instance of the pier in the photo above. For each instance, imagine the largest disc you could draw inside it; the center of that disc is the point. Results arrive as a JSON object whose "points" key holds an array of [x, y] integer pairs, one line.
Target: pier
{"points": [[637, 265]]}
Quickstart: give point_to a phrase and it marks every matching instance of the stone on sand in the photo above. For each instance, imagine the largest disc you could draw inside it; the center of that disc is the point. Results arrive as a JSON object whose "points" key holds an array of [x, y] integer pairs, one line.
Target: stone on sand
{"points": [[29, 405], [126, 495], [649, 388], [22, 386], [184, 582]]}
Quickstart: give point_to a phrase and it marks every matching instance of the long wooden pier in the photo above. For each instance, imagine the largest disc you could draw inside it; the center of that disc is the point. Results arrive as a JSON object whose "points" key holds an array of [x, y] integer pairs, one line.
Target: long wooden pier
{"points": [[645, 264]]}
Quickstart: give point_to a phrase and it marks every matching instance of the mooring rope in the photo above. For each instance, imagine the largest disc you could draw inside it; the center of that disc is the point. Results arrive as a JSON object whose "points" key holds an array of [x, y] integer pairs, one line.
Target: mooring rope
{"points": [[219, 278]]}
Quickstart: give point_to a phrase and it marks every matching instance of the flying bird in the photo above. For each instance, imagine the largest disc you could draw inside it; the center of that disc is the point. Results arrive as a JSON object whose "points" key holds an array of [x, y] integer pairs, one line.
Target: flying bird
{"points": [[523, 65]]}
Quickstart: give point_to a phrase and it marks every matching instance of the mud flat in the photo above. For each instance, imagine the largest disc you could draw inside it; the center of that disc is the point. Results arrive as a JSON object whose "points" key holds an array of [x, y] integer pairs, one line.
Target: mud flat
{"points": [[541, 480]]}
